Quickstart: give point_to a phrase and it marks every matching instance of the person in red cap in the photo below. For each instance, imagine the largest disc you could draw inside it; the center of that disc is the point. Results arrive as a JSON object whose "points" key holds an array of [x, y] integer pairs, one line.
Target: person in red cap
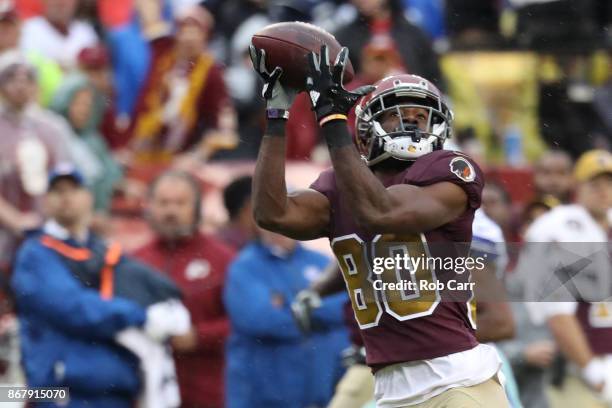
{"points": [[94, 62], [184, 105]]}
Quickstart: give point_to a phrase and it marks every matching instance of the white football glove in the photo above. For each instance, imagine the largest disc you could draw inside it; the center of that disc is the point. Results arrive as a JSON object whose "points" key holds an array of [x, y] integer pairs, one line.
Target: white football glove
{"points": [[594, 373], [606, 392], [302, 308], [165, 319]]}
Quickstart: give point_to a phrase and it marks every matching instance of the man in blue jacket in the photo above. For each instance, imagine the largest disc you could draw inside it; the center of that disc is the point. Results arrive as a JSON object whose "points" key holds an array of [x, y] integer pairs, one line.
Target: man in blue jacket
{"points": [[270, 362], [71, 294]]}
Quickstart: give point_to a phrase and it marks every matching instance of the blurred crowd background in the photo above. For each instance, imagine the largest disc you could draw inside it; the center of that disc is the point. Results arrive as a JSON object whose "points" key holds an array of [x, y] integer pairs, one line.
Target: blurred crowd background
{"points": [[126, 90]]}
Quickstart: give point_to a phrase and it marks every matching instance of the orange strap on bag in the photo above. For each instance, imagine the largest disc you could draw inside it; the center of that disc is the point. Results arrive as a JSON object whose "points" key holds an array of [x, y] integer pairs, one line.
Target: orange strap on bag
{"points": [[111, 258], [113, 254]]}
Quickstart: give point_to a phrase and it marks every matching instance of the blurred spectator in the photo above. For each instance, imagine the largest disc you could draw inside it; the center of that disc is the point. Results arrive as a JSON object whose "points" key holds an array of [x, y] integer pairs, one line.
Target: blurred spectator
{"points": [[240, 228], [184, 103], [271, 363], [197, 263], [473, 23], [429, 15], [602, 101], [386, 17], [580, 322], [567, 110], [57, 34], [531, 353], [75, 295], [497, 205], [533, 210], [81, 104], [557, 25], [379, 59], [494, 318], [552, 176], [243, 85], [48, 73], [128, 46], [130, 58], [232, 14], [30, 145], [94, 62]]}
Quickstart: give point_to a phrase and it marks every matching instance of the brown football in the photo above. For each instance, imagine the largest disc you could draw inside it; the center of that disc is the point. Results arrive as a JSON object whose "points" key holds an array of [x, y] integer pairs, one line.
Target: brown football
{"points": [[287, 45]]}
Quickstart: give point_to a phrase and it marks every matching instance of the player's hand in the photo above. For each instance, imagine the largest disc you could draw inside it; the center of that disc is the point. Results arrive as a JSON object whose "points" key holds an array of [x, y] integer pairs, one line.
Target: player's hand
{"points": [[276, 96], [594, 374], [606, 389], [324, 85], [302, 308]]}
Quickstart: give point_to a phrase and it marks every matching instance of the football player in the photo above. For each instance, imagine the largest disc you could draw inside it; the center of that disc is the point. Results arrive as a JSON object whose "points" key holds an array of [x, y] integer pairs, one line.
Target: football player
{"points": [[569, 248], [495, 321], [393, 192]]}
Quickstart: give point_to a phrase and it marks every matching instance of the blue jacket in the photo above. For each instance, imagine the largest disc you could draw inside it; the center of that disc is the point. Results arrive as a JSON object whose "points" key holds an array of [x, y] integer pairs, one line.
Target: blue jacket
{"points": [[67, 331], [270, 363]]}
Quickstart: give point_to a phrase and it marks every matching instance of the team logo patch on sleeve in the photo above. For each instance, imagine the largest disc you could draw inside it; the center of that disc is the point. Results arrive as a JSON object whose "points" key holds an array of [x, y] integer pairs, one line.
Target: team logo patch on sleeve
{"points": [[462, 168]]}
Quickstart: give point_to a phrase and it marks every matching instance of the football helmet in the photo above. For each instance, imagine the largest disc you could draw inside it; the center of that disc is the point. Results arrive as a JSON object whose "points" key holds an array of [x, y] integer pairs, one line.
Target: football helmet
{"points": [[407, 142]]}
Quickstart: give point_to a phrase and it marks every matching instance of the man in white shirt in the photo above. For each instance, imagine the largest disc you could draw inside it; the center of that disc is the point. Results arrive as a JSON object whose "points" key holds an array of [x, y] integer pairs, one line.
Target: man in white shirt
{"points": [[56, 34], [581, 324]]}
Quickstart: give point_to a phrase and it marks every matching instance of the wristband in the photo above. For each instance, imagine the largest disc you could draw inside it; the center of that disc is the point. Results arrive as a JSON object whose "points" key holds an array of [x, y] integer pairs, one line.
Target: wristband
{"points": [[329, 118], [594, 372], [277, 114]]}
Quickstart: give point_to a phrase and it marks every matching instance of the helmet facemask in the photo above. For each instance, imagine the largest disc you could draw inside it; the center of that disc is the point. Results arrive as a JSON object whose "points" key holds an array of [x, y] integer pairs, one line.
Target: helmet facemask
{"points": [[406, 142]]}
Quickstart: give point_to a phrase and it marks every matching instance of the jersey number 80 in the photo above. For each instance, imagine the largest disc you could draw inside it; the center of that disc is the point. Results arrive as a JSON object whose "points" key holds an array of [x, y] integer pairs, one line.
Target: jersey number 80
{"points": [[370, 298]]}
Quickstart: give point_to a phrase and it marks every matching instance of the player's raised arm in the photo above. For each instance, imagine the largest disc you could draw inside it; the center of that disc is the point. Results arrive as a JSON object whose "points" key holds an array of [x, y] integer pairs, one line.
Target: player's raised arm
{"points": [[302, 214], [377, 209]]}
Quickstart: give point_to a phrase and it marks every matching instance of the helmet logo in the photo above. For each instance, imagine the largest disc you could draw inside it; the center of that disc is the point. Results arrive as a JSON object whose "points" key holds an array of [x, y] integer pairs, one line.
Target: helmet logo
{"points": [[463, 169]]}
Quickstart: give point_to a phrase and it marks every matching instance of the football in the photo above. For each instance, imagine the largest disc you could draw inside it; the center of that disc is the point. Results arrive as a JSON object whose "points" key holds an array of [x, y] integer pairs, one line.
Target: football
{"points": [[288, 45]]}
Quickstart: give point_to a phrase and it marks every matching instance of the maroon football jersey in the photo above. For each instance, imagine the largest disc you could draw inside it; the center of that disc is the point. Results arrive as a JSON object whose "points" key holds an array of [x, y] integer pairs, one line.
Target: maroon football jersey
{"points": [[596, 321], [408, 324]]}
